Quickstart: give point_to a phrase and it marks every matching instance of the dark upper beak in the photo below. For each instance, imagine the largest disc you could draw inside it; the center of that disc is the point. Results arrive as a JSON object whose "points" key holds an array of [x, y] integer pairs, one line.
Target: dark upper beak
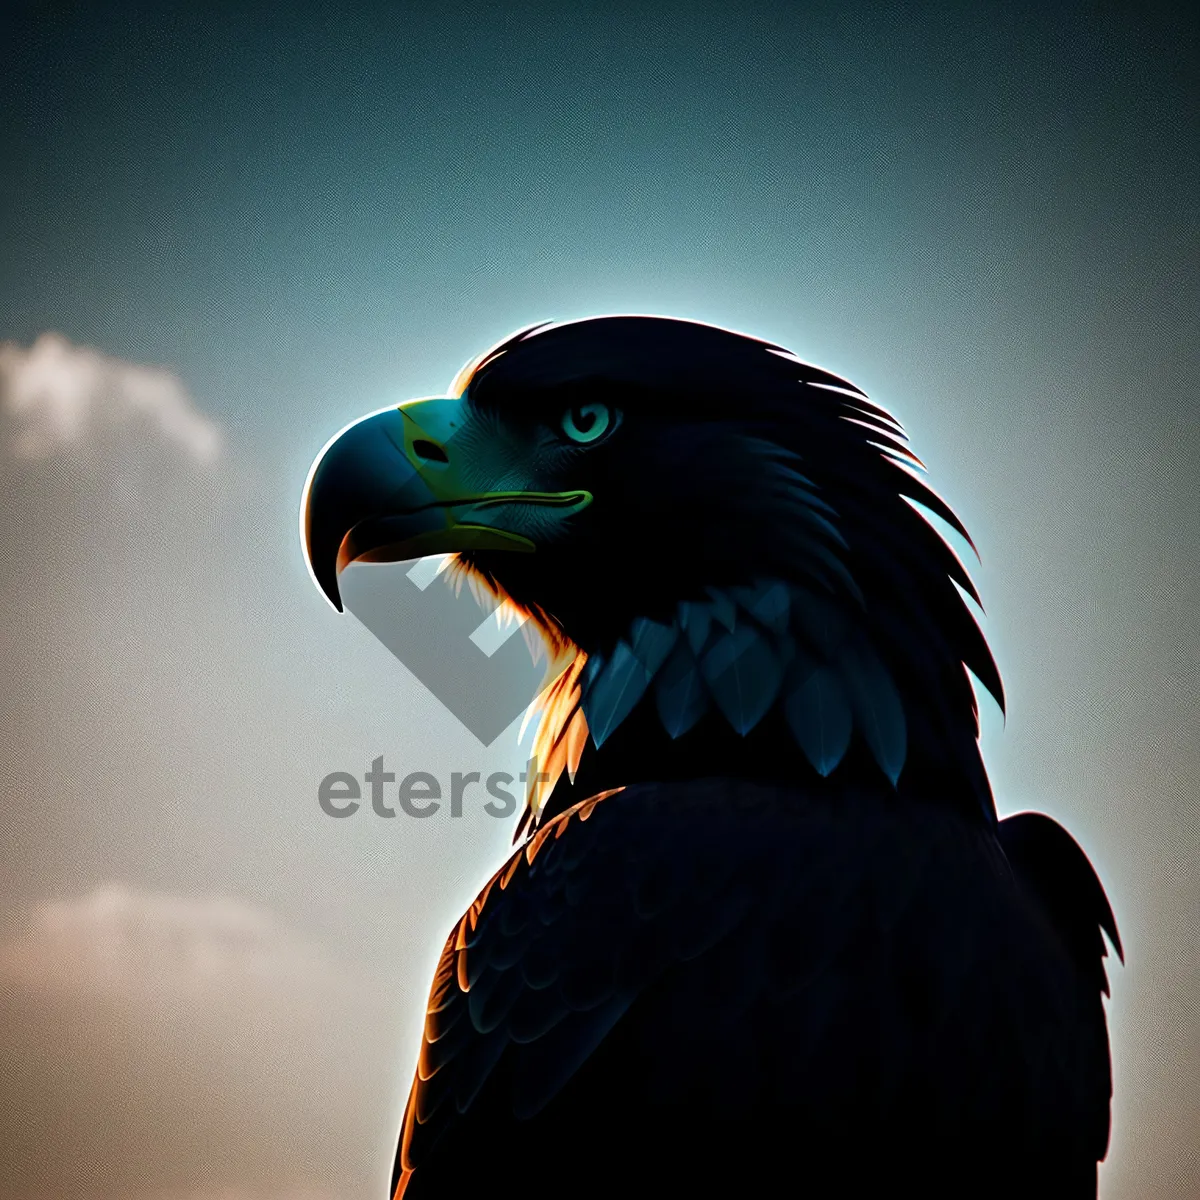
{"points": [[362, 475], [391, 487]]}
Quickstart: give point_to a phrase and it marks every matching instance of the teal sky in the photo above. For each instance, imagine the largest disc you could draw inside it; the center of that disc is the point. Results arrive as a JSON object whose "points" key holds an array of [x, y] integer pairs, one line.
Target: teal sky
{"points": [[984, 215]]}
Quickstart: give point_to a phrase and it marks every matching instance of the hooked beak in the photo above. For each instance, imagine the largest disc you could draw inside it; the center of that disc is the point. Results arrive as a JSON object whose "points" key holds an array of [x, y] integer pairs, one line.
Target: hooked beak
{"points": [[390, 487]]}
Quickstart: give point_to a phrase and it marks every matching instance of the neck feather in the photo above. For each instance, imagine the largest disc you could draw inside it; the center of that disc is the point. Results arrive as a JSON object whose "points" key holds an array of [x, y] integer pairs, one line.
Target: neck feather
{"points": [[775, 678]]}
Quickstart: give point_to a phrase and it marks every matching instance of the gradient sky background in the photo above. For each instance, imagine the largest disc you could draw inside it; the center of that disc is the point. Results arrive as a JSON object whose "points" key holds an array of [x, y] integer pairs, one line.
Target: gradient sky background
{"points": [[984, 215]]}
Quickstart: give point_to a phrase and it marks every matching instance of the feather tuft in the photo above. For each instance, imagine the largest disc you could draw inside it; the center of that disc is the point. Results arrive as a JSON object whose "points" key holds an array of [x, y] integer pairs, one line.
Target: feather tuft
{"points": [[818, 713]]}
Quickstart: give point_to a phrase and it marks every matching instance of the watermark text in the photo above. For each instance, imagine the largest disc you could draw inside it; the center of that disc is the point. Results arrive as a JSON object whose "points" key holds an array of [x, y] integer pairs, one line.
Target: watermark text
{"points": [[420, 793]]}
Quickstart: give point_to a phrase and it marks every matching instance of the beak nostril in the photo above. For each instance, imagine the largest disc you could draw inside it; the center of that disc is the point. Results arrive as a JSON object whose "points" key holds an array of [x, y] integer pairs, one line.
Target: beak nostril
{"points": [[429, 451]]}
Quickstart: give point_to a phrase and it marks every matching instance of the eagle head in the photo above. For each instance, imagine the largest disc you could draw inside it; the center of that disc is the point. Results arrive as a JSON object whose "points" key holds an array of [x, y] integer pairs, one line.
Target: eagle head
{"points": [[718, 540]]}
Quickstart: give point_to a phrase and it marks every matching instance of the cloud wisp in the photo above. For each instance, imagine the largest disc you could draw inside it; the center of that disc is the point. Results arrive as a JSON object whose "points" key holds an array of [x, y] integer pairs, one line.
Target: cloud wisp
{"points": [[57, 396], [119, 940], [182, 1047]]}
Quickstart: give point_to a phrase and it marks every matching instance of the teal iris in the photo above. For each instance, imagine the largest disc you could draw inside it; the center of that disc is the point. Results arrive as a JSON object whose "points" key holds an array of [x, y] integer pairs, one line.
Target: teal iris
{"points": [[588, 422]]}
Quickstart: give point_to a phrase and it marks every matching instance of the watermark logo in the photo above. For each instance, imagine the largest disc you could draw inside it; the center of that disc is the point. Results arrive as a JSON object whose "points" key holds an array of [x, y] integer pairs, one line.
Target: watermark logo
{"points": [[455, 644]]}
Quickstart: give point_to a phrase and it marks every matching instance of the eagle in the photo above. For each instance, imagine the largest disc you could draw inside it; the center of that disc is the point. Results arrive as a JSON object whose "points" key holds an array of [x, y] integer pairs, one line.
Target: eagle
{"points": [[763, 932]]}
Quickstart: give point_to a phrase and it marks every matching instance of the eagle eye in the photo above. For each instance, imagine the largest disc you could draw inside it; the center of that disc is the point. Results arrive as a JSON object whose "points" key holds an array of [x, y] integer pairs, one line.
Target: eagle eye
{"points": [[584, 423]]}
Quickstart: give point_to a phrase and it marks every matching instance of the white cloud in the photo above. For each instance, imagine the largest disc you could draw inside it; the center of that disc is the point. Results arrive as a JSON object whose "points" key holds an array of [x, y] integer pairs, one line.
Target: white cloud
{"points": [[121, 941], [60, 395], [180, 1048]]}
